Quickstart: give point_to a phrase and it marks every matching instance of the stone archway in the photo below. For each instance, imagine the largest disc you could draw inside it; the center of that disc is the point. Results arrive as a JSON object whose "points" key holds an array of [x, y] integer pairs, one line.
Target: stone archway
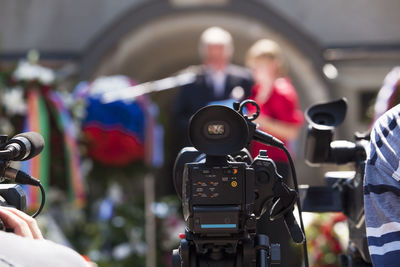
{"points": [[156, 40], [168, 44]]}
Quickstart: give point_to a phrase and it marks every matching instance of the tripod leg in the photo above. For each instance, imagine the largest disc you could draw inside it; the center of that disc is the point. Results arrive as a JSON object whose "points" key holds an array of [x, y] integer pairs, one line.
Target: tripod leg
{"points": [[182, 257], [176, 258], [262, 258], [262, 248]]}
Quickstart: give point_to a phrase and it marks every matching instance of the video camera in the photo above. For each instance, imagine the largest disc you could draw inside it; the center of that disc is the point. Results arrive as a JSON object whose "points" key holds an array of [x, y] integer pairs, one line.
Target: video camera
{"points": [[21, 147], [224, 192], [344, 189]]}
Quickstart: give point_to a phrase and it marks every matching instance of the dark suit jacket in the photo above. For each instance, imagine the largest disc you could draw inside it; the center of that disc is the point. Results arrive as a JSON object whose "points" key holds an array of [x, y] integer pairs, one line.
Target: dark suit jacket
{"points": [[196, 95]]}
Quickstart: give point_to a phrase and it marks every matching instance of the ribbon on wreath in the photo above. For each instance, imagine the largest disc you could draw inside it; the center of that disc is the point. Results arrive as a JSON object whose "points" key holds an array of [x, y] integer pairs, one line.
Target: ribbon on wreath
{"points": [[37, 120], [65, 123], [39, 109], [29, 93]]}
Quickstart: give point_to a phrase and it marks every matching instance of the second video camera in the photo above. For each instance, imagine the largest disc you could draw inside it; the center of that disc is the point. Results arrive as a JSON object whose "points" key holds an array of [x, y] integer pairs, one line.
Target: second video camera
{"points": [[344, 189]]}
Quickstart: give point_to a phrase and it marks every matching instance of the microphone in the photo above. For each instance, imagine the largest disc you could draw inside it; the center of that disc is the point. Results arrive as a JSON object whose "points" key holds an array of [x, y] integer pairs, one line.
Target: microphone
{"points": [[19, 177], [267, 139], [23, 146]]}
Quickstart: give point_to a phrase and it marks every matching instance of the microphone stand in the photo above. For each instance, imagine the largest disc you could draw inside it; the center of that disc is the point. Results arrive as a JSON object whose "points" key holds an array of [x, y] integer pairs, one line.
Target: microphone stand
{"points": [[130, 93]]}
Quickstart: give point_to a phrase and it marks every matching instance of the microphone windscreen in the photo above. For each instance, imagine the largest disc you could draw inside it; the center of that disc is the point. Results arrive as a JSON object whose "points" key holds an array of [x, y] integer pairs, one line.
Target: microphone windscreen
{"points": [[37, 143]]}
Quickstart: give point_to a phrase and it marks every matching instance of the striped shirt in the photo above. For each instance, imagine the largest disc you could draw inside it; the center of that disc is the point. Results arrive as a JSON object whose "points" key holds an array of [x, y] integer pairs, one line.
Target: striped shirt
{"points": [[382, 190]]}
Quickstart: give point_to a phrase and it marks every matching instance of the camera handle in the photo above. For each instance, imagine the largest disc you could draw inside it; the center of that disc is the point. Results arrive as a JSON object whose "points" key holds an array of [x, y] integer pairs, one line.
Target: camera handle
{"points": [[241, 109], [284, 206], [255, 134]]}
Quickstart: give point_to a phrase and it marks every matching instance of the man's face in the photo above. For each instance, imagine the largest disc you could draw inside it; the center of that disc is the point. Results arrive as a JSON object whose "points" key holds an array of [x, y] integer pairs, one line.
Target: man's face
{"points": [[216, 56]]}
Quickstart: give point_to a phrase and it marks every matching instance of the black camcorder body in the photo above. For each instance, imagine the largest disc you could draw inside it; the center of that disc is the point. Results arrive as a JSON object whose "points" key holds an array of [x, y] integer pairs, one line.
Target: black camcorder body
{"points": [[21, 147], [242, 192], [12, 195], [224, 192]]}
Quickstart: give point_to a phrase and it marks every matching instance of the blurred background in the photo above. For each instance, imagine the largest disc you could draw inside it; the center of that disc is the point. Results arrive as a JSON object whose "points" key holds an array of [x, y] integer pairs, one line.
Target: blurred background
{"points": [[108, 207]]}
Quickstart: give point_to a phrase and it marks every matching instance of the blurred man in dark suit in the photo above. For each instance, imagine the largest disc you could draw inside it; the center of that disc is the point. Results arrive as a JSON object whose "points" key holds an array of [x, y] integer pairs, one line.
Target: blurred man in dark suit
{"points": [[216, 80]]}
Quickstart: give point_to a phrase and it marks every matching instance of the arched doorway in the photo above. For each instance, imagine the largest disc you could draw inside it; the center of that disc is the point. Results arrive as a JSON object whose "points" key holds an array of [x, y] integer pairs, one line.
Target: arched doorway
{"points": [[157, 39]]}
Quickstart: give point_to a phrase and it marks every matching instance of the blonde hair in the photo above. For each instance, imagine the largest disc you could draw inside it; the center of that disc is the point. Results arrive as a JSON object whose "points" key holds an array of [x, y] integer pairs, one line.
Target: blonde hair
{"points": [[216, 36], [266, 49]]}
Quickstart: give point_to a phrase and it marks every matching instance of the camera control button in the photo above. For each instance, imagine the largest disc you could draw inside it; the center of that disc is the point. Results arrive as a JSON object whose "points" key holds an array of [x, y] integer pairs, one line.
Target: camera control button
{"points": [[227, 171]]}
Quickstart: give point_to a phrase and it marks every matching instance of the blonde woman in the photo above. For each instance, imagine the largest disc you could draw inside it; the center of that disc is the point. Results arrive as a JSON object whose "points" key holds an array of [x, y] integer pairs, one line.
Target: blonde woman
{"points": [[276, 96]]}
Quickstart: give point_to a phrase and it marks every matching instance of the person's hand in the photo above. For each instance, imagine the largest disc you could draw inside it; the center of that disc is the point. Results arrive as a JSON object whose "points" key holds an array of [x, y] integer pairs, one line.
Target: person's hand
{"points": [[22, 224]]}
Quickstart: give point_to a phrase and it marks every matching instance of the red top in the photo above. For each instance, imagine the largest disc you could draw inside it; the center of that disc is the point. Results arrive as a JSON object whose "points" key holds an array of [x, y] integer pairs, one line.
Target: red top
{"points": [[282, 105]]}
